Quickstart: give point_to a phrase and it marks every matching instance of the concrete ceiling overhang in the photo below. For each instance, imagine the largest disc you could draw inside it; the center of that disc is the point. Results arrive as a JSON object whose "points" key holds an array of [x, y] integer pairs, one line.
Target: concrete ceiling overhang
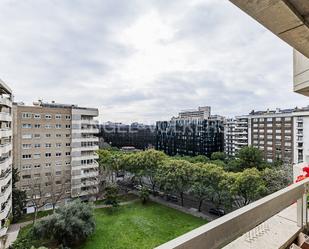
{"points": [[288, 19]]}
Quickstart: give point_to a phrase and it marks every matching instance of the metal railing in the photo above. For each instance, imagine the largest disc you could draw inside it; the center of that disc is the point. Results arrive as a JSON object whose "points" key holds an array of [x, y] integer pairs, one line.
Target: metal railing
{"points": [[224, 230]]}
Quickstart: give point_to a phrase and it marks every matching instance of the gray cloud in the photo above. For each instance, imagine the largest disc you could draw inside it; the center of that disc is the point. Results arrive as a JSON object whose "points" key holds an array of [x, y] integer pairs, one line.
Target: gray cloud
{"points": [[143, 60]]}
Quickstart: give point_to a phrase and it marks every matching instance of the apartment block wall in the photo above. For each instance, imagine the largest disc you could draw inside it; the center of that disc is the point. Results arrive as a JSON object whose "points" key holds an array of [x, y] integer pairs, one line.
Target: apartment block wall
{"points": [[84, 146], [54, 150], [301, 73], [5, 157], [42, 150], [274, 136]]}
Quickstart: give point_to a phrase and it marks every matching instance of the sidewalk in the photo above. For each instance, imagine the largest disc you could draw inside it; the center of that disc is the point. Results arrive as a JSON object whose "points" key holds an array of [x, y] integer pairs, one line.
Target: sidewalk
{"points": [[193, 212]]}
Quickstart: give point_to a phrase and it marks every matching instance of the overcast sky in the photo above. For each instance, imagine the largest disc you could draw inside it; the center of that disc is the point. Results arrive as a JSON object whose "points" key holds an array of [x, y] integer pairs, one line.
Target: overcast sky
{"points": [[143, 60]]}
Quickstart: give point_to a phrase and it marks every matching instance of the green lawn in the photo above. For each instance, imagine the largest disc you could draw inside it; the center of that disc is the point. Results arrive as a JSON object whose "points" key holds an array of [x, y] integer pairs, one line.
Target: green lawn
{"points": [[139, 227]]}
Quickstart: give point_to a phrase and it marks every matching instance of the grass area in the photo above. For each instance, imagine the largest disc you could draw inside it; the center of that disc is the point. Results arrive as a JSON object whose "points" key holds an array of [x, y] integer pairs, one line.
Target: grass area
{"points": [[122, 198], [139, 227], [134, 226]]}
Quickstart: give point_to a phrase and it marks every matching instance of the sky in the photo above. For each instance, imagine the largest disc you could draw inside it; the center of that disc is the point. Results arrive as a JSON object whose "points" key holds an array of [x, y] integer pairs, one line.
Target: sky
{"points": [[143, 60]]}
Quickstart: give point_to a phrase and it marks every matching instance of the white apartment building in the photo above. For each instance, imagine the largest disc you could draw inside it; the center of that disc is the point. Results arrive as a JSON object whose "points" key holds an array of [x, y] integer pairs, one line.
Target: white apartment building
{"points": [[229, 136], [5, 158], [201, 113], [55, 150]]}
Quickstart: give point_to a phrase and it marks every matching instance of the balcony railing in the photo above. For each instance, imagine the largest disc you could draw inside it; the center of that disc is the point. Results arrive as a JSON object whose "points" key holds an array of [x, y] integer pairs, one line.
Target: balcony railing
{"points": [[224, 230]]}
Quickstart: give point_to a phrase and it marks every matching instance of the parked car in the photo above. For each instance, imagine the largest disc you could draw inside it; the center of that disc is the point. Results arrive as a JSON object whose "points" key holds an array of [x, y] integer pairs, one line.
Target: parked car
{"points": [[217, 211], [138, 187], [172, 198]]}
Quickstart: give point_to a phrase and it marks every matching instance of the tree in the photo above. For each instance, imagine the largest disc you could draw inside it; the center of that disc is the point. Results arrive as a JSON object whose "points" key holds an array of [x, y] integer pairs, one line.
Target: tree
{"points": [[69, 226], [218, 156], [250, 157], [200, 185], [56, 191], [144, 195], [176, 176], [111, 195], [19, 197], [277, 178], [37, 195], [150, 161], [245, 187]]}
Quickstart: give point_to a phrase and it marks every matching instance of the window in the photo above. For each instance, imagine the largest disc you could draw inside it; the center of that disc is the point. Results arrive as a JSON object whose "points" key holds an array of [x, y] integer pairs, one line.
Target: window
{"points": [[48, 116], [58, 145], [58, 135], [37, 126], [26, 126], [36, 166], [37, 146], [37, 175], [68, 153], [26, 166], [68, 144], [58, 116], [58, 173], [37, 116], [48, 174], [37, 136], [26, 146], [47, 165], [47, 145], [26, 176], [26, 156], [68, 126], [67, 117], [67, 163], [67, 135], [58, 126], [26, 136], [58, 182], [47, 135], [58, 154], [47, 154], [48, 126], [58, 163], [26, 115], [36, 155]]}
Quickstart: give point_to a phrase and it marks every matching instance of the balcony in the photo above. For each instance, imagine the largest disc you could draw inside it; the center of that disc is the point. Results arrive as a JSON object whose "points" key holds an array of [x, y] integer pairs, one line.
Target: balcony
{"points": [[5, 116], [284, 220], [5, 148], [5, 101], [89, 148], [5, 132]]}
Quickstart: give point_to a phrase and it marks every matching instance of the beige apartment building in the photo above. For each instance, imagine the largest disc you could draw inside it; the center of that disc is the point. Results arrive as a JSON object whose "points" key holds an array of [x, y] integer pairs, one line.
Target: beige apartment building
{"points": [[5, 158], [54, 151]]}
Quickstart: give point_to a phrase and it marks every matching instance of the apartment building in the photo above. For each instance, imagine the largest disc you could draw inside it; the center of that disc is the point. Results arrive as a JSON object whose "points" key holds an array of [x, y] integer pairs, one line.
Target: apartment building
{"points": [[191, 134], [229, 137], [5, 157], [202, 112], [280, 134], [54, 150]]}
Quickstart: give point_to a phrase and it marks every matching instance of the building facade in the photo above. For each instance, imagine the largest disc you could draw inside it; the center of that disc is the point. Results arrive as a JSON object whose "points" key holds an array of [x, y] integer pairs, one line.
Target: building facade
{"points": [[121, 135], [190, 135], [229, 137], [280, 134], [54, 150], [5, 157]]}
